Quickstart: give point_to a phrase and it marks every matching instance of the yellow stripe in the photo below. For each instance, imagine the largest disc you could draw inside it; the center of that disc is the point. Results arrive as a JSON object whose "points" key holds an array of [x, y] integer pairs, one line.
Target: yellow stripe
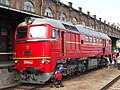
{"points": [[108, 45], [73, 42], [29, 58], [84, 43], [94, 44]]}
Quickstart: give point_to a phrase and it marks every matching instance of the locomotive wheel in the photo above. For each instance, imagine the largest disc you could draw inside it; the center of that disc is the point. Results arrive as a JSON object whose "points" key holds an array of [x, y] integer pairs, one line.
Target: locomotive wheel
{"points": [[78, 73], [70, 73]]}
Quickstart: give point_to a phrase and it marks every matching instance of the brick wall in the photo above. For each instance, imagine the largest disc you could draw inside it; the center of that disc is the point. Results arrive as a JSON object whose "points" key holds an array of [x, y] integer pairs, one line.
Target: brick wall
{"points": [[58, 8]]}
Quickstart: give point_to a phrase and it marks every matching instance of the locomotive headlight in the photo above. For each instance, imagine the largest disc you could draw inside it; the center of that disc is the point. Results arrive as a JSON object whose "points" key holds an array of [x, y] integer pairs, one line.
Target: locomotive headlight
{"points": [[16, 61], [28, 20], [44, 61]]}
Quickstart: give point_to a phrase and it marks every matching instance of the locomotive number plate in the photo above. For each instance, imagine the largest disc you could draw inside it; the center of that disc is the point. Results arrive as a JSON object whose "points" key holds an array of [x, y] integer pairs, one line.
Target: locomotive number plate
{"points": [[28, 62]]}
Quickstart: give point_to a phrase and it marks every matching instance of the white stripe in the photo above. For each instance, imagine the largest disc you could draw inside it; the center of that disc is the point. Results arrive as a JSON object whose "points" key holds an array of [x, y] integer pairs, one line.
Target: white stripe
{"points": [[42, 40]]}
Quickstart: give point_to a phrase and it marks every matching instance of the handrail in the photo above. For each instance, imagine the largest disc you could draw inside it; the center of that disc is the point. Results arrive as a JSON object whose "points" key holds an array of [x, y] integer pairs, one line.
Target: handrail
{"points": [[7, 53]]}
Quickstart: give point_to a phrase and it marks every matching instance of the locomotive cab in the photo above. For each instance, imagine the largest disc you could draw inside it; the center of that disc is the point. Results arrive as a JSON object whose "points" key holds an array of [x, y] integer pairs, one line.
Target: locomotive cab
{"points": [[32, 43]]}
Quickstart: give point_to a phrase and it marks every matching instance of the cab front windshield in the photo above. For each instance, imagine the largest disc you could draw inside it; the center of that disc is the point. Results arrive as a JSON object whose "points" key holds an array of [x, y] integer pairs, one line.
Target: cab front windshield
{"points": [[21, 32], [35, 32]]}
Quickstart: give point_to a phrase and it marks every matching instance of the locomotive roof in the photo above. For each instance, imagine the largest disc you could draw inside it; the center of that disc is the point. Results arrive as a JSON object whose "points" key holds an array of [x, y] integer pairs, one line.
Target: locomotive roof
{"points": [[66, 25], [91, 32], [55, 23], [87, 31], [52, 22], [104, 35]]}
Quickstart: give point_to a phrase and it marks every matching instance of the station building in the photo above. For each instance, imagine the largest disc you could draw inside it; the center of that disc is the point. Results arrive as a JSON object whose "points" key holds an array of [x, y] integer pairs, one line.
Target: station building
{"points": [[13, 12]]}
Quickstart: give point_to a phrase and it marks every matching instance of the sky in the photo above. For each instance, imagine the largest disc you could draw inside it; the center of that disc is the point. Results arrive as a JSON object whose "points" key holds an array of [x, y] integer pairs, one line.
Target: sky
{"points": [[108, 10]]}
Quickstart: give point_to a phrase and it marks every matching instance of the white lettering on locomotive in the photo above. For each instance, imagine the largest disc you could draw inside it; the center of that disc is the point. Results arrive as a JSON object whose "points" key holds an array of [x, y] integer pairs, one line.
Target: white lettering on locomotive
{"points": [[28, 62]]}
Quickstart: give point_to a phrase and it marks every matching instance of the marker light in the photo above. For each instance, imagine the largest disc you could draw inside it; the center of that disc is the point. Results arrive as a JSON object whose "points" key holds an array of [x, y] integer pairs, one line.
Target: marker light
{"points": [[16, 61]]}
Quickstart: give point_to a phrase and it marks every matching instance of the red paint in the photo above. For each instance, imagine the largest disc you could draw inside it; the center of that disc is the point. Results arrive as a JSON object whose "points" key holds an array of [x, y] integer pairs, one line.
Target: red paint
{"points": [[67, 46]]}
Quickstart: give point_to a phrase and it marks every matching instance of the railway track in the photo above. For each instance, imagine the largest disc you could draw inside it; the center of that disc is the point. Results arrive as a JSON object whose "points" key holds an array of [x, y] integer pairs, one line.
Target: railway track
{"points": [[25, 87], [22, 86], [89, 79], [109, 84]]}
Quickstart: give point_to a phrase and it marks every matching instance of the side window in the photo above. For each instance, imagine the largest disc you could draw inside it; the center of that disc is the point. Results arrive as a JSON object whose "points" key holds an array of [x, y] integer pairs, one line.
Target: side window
{"points": [[91, 39], [104, 42], [87, 38], [110, 42], [100, 40], [55, 33], [97, 40], [107, 42], [94, 40]]}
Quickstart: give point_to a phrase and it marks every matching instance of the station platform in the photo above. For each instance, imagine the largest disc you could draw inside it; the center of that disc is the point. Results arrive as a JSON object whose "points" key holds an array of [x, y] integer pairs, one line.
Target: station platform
{"points": [[5, 64], [6, 78]]}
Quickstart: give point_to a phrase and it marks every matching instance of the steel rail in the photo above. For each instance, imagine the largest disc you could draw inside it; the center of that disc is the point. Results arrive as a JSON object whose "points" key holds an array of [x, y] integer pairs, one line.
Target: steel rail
{"points": [[24, 86], [109, 84]]}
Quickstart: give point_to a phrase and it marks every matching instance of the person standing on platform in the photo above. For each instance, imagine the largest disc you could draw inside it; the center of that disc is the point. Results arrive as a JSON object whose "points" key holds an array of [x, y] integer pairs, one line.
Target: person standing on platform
{"points": [[114, 62], [117, 52], [118, 61], [108, 62]]}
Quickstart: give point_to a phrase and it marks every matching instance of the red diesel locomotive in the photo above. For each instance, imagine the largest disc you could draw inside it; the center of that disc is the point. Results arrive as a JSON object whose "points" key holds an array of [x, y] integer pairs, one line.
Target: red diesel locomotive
{"points": [[41, 45]]}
